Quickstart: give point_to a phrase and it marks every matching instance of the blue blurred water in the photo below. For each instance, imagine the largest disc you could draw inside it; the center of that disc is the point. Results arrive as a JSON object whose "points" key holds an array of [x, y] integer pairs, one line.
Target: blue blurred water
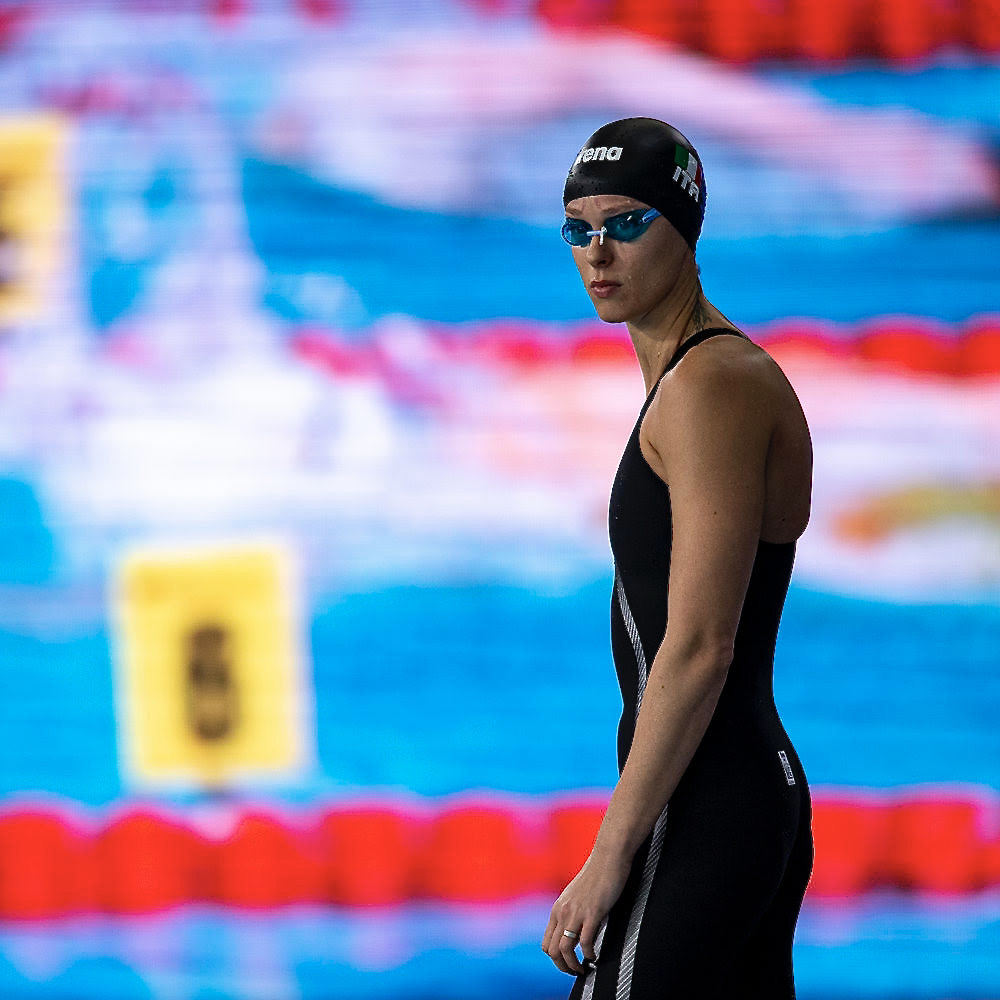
{"points": [[879, 948], [408, 261], [27, 549], [434, 689], [955, 89]]}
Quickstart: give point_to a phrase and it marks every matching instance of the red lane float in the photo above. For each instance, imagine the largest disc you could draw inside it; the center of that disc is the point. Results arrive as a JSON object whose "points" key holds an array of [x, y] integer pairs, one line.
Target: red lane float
{"points": [[907, 344], [823, 30], [373, 851], [226, 12], [572, 829], [937, 846], [146, 861], [897, 344], [482, 853], [852, 837], [54, 862], [268, 862], [38, 853]]}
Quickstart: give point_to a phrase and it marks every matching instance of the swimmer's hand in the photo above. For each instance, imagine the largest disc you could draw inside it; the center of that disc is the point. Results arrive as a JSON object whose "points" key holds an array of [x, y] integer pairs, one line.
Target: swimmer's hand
{"points": [[582, 908]]}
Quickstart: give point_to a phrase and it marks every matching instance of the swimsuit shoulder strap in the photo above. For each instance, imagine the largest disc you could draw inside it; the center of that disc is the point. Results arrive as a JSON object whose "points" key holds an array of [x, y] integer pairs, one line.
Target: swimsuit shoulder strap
{"points": [[697, 338], [685, 346]]}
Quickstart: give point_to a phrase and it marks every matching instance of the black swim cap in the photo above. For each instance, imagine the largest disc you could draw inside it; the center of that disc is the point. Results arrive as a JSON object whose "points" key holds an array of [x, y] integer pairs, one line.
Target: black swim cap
{"points": [[648, 160]]}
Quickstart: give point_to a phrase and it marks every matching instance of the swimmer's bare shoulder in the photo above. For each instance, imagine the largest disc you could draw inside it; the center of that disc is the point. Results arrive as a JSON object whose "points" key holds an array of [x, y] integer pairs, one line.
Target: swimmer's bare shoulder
{"points": [[727, 414]]}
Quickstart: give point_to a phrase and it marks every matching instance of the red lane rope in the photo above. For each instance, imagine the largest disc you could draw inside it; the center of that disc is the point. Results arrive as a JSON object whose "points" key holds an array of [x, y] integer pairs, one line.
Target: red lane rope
{"points": [[902, 344], [814, 30], [61, 860]]}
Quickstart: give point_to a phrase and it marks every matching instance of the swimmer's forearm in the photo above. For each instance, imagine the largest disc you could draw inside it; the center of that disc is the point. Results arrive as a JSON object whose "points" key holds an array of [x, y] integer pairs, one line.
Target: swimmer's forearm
{"points": [[677, 706]]}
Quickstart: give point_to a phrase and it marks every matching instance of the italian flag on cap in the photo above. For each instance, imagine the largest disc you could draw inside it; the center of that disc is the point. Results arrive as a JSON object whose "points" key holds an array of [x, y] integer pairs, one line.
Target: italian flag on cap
{"points": [[688, 163]]}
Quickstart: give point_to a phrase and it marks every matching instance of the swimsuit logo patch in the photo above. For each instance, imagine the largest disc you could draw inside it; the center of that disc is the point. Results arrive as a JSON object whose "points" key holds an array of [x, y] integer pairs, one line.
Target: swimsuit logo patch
{"points": [[789, 774]]}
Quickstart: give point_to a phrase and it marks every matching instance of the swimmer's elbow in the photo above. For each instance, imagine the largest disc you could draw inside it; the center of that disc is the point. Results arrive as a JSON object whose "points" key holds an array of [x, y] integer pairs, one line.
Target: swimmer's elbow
{"points": [[703, 651]]}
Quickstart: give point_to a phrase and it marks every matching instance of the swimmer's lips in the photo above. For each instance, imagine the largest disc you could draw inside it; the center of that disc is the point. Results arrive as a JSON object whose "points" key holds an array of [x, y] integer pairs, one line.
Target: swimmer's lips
{"points": [[603, 289]]}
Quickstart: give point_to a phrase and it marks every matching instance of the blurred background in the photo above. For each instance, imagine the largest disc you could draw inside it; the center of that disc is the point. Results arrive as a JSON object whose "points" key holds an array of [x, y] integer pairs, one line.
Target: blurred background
{"points": [[307, 431]]}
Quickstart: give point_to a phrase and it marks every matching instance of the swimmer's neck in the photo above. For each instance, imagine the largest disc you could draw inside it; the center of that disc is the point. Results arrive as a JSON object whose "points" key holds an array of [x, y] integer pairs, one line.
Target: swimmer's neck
{"points": [[683, 311]]}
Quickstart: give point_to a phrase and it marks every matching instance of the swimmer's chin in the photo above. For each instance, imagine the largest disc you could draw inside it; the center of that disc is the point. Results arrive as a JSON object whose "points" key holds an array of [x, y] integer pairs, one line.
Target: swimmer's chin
{"points": [[610, 312]]}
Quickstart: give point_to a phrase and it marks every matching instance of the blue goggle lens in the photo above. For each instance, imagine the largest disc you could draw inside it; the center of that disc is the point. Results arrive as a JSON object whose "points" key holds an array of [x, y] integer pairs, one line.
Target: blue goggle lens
{"points": [[624, 228]]}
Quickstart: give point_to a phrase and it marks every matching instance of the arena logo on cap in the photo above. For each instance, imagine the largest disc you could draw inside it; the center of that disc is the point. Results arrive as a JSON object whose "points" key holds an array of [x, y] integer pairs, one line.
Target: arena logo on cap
{"points": [[599, 153], [687, 172]]}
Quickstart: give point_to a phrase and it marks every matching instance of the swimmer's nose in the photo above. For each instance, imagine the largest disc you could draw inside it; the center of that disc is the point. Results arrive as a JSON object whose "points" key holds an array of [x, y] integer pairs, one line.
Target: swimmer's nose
{"points": [[598, 252]]}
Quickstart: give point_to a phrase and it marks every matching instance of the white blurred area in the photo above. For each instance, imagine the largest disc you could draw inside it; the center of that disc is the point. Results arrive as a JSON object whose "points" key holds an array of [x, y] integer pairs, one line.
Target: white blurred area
{"points": [[498, 471], [802, 161]]}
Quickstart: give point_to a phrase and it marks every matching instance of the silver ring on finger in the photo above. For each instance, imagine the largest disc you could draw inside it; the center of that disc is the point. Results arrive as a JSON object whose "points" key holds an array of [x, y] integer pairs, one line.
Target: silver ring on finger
{"points": [[572, 935]]}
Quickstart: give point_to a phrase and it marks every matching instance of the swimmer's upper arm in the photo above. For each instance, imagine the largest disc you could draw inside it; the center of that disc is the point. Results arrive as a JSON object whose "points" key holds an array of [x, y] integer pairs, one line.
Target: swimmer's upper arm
{"points": [[711, 430]]}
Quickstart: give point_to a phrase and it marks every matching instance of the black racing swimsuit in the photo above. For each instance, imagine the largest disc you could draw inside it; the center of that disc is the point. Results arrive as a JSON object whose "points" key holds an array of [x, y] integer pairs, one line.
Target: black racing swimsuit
{"points": [[710, 906]]}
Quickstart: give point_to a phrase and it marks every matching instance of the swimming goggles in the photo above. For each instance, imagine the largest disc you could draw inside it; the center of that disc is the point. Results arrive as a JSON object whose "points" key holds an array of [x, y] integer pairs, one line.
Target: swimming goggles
{"points": [[624, 228]]}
